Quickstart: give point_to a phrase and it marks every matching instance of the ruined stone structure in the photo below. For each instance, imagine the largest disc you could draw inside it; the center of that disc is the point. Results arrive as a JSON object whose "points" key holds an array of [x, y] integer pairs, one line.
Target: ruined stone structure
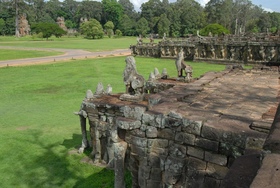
{"points": [[252, 49], [61, 23], [186, 134], [24, 27]]}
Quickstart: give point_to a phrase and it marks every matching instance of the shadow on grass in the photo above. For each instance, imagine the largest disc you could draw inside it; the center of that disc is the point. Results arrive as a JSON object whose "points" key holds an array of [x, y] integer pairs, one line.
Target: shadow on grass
{"points": [[53, 165], [102, 179]]}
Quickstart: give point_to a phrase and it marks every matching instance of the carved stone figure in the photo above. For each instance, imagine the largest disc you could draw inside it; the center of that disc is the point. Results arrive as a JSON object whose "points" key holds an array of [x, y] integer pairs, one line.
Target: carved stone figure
{"points": [[152, 77], [99, 89], [139, 40], [134, 82], [203, 52], [164, 74], [164, 36], [181, 66], [262, 53], [109, 89], [249, 54], [222, 52], [272, 54], [212, 49], [156, 73], [232, 53]]}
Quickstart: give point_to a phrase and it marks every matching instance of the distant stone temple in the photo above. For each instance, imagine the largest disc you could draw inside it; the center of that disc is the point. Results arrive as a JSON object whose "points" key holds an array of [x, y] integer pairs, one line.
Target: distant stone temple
{"points": [[24, 27], [251, 49], [61, 23]]}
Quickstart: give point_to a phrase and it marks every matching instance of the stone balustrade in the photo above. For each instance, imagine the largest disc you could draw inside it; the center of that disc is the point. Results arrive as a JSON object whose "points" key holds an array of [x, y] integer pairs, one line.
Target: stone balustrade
{"points": [[235, 49]]}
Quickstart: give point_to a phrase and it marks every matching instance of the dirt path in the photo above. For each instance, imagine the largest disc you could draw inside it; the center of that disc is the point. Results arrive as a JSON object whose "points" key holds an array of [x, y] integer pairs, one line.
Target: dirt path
{"points": [[69, 54]]}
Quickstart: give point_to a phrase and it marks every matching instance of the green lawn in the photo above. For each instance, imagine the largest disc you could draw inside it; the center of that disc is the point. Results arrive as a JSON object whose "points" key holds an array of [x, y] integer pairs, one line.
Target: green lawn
{"points": [[38, 128], [71, 43], [9, 54]]}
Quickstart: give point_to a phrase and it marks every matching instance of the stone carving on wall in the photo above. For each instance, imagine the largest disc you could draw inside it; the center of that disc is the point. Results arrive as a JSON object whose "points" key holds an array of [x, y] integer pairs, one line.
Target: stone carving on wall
{"points": [[260, 48], [24, 27]]}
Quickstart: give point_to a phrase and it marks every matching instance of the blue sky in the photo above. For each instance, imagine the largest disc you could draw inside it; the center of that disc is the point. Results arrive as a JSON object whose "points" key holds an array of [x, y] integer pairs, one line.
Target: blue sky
{"points": [[269, 5], [273, 5]]}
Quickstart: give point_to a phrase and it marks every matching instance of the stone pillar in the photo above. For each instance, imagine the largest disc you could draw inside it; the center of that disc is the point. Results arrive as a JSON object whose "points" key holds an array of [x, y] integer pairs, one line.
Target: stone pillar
{"points": [[119, 156], [84, 134]]}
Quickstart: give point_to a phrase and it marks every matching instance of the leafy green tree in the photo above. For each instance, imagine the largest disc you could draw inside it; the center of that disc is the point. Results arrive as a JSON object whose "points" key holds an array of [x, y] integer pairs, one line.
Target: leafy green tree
{"points": [[191, 16], [54, 9], [112, 11], [91, 9], [2, 25], [109, 26], [142, 27], [48, 29], [127, 26], [128, 9], [71, 9], [215, 29], [118, 33], [163, 25], [264, 22], [92, 29], [275, 21], [175, 25], [151, 9]]}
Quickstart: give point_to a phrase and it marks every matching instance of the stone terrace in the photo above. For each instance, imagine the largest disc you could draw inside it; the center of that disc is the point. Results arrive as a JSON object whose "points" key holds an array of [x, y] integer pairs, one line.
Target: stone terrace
{"points": [[193, 134]]}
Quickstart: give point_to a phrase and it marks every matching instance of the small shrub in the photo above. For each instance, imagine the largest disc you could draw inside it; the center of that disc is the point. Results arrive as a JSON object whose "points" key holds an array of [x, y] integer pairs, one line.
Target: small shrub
{"points": [[118, 33]]}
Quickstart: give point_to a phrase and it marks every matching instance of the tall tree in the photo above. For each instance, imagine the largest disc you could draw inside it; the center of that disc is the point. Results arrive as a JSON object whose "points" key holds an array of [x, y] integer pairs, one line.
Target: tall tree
{"points": [[151, 9], [142, 27], [163, 25], [92, 29], [127, 26], [71, 10], [112, 11], [191, 16], [109, 27], [128, 9], [91, 9]]}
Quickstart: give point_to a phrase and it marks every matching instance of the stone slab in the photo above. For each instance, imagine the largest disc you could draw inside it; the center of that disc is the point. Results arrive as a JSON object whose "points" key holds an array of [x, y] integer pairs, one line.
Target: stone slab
{"points": [[269, 173]]}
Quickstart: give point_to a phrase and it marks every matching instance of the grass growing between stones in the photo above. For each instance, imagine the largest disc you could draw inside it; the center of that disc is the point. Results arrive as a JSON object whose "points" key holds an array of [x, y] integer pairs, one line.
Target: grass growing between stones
{"points": [[39, 132], [9, 54]]}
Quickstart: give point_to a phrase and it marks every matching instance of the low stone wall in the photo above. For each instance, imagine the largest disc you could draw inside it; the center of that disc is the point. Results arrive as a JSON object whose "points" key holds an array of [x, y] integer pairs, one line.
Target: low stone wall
{"points": [[225, 49], [186, 135]]}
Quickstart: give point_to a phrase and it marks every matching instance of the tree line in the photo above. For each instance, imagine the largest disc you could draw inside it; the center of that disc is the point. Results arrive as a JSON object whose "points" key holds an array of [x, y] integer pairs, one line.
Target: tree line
{"points": [[161, 17]]}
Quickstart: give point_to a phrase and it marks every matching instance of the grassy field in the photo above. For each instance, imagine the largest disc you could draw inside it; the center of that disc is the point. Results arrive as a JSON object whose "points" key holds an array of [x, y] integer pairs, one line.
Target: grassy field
{"points": [[71, 43], [9, 54], [39, 131]]}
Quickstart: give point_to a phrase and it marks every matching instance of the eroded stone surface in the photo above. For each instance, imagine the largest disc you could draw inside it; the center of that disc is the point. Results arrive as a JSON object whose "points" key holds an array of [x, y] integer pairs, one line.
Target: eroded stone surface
{"points": [[187, 134]]}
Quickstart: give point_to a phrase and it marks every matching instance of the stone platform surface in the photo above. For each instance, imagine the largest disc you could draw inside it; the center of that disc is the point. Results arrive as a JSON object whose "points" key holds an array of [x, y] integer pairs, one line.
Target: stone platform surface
{"points": [[247, 96], [208, 123]]}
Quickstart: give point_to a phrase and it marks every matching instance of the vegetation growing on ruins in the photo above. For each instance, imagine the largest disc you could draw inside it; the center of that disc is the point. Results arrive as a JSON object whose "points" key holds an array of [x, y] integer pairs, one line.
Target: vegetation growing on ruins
{"points": [[39, 132], [176, 19]]}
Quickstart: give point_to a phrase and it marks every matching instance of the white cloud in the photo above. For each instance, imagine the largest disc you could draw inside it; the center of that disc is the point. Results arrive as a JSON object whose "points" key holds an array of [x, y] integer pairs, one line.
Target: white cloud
{"points": [[267, 9], [137, 4], [203, 2]]}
